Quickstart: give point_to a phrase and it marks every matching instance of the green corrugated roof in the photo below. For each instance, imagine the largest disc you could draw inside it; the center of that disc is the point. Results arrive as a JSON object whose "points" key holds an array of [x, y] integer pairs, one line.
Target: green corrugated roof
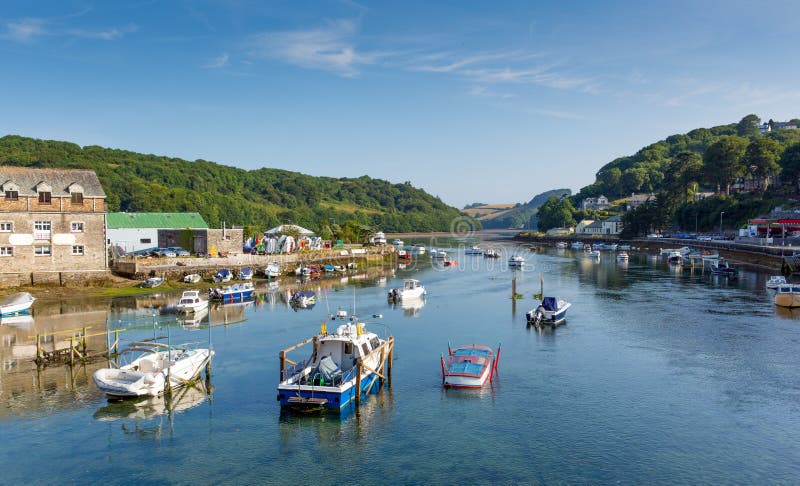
{"points": [[155, 220]]}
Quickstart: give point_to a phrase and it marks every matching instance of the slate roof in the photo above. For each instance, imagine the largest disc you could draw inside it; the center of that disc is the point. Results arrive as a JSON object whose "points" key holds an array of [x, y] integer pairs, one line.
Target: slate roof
{"points": [[155, 220], [26, 179]]}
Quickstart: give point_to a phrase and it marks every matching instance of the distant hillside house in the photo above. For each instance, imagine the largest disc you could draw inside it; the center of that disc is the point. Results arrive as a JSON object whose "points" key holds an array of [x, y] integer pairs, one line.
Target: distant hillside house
{"points": [[131, 232], [580, 228], [637, 200], [52, 224], [595, 203], [698, 196], [772, 126]]}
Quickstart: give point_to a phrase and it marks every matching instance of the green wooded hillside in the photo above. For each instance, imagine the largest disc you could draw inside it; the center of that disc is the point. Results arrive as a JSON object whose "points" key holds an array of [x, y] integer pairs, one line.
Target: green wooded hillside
{"points": [[262, 198]]}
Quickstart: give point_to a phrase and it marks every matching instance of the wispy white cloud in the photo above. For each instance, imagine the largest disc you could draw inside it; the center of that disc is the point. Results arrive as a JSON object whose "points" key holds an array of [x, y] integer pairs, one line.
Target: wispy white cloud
{"points": [[329, 48], [25, 30], [484, 92], [218, 62], [107, 34]]}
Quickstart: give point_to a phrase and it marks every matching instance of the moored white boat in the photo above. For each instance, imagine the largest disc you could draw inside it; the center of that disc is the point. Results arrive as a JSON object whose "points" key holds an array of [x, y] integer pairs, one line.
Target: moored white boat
{"points": [[398, 242], [776, 281], [273, 270], [238, 292], [152, 282], [223, 275], [561, 245], [552, 310], [622, 256], [516, 261], [469, 366], [150, 373], [331, 378], [192, 278], [191, 302], [303, 298], [787, 296], [246, 273], [438, 254], [491, 253], [411, 289], [473, 250], [16, 303], [578, 245]]}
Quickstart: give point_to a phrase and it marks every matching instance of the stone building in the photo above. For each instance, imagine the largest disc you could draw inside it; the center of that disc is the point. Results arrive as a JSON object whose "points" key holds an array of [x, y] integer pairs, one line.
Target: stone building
{"points": [[52, 226]]}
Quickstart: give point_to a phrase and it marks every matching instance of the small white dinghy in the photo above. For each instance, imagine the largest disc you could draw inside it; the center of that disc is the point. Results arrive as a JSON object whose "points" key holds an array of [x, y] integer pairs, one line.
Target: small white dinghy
{"points": [[16, 303], [192, 278], [159, 365], [191, 302]]}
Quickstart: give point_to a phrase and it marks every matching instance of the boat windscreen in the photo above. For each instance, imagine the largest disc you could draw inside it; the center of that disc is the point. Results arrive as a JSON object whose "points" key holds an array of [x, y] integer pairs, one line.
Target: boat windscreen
{"points": [[471, 352]]}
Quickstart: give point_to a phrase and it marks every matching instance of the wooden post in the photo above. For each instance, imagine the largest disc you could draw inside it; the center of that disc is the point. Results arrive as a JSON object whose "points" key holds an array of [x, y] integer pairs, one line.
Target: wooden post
{"points": [[71, 351], [38, 349], [83, 340], [391, 358], [514, 285], [282, 357], [382, 362], [358, 382]]}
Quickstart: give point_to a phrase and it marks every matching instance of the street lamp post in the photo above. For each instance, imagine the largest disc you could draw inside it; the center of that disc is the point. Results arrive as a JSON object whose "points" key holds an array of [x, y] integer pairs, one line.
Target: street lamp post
{"points": [[720, 223]]}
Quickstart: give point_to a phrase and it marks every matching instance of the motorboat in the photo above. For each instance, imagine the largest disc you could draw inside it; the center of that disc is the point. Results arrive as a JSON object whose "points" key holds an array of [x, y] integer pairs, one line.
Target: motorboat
{"points": [[418, 249], [378, 238], [473, 250], [516, 261], [776, 281], [152, 282], [438, 254], [303, 298], [577, 245], [683, 250], [223, 275], [246, 273], [273, 270], [403, 255], [342, 364], [192, 278], [623, 256], [552, 310], [561, 245], [720, 266], [340, 268], [302, 271], [411, 289], [675, 257], [191, 302], [328, 268], [16, 303], [491, 253], [238, 292], [469, 366], [787, 296], [398, 242], [158, 367]]}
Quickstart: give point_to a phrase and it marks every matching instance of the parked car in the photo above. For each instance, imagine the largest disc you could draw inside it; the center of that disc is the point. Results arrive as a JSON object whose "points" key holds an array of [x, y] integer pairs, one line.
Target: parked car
{"points": [[179, 251], [165, 252]]}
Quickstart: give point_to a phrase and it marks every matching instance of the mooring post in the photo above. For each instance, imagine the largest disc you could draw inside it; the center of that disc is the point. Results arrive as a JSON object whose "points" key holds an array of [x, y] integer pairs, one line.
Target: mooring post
{"points": [[391, 358], [514, 285], [282, 357], [38, 349], [71, 350], [83, 340], [382, 366], [358, 382]]}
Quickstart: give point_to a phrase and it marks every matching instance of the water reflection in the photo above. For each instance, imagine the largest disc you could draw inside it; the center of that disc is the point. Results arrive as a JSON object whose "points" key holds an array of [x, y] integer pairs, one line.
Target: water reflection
{"points": [[411, 306], [184, 399]]}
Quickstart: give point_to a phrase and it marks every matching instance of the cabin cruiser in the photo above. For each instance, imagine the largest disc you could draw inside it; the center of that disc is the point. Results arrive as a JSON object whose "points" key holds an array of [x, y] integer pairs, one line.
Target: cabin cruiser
{"points": [[552, 310], [411, 289], [191, 302]]}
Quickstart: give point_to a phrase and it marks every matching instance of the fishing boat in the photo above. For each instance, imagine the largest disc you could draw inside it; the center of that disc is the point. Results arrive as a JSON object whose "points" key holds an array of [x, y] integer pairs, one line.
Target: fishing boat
{"points": [[191, 302], [411, 289], [491, 253], [16, 303], [776, 281], [552, 310], [473, 250], [192, 278], [720, 266], [516, 261], [223, 275], [152, 282], [273, 270], [469, 366], [341, 367], [246, 273], [158, 367], [238, 292], [623, 256], [303, 298], [787, 296]]}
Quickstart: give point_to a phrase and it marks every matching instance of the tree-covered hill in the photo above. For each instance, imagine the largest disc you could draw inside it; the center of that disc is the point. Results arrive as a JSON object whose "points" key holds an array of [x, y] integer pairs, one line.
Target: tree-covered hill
{"points": [[262, 198], [523, 215]]}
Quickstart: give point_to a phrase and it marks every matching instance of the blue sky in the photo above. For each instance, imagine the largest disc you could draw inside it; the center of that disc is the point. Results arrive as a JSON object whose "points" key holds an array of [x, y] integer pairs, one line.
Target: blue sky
{"points": [[472, 101]]}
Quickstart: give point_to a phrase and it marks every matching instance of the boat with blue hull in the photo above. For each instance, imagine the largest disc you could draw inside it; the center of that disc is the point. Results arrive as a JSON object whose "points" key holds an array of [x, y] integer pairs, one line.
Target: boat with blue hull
{"points": [[342, 367], [240, 292], [552, 310]]}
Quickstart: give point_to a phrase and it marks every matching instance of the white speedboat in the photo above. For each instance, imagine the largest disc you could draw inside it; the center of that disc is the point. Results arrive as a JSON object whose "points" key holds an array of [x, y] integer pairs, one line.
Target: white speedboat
{"points": [[398, 242], [192, 278], [438, 254], [273, 270], [622, 256], [516, 261], [417, 249], [491, 253], [160, 365], [16, 303], [191, 302], [329, 378], [473, 250], [578, 245], [411, 289], [776, 281], [223, 275], [552, 310], [561, 245], [245, 273]]}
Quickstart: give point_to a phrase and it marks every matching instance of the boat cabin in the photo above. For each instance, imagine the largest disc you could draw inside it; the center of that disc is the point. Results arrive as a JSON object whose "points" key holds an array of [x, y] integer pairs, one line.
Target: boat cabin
{"points": [[336, 354], [411, 284]]}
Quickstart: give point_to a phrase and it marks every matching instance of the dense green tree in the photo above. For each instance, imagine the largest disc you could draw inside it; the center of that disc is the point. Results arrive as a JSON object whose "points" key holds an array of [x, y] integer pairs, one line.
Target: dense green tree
{"points": [[555, 213], [761, 157], [790, 164], [723, 161], [748, 126]]}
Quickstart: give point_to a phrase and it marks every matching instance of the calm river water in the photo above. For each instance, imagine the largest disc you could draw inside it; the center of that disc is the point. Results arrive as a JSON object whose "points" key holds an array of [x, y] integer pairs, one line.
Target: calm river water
{"points": [[659, 376]]}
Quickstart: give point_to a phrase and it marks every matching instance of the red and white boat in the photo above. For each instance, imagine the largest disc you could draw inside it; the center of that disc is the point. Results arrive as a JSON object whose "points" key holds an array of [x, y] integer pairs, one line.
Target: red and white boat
{"points": [[469, 366]]}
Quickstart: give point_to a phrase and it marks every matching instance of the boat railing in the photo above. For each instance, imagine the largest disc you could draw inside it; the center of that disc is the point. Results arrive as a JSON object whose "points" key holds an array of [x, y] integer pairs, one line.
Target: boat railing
{"points": [[291, 370]]}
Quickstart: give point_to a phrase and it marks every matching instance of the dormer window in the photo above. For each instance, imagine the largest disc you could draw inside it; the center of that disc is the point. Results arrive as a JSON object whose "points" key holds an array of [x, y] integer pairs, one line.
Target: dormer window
{"points": [[76, 193], [45, 192], [11, 190]]}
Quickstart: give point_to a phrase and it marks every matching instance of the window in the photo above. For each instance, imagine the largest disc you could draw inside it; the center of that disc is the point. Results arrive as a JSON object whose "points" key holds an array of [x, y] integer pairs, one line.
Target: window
{"points": [[77, 198], [77, 226], [365, 348], [44, 197], [144, 240], [77, 249], [6, 227], [42, 250], [12, 195], [6, 251], [41, 225]]}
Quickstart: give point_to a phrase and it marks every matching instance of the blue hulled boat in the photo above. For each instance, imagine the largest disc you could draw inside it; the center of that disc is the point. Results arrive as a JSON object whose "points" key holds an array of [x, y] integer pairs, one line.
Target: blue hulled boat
{"points": [[240, 292], [552, 310]]}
